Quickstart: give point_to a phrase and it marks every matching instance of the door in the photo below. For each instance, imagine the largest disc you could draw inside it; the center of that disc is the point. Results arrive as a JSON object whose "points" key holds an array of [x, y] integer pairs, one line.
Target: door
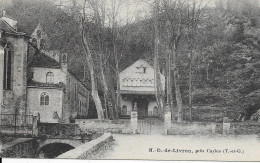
{"points": [[142, 106]]}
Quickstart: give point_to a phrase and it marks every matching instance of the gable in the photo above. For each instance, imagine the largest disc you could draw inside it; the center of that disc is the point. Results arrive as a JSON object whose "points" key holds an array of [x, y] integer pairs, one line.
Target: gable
{"points": [[139, 77], [140, 67]]}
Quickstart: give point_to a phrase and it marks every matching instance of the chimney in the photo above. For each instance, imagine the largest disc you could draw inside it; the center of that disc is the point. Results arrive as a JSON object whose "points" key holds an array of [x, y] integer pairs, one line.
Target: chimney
{"points": [[64, 62]]}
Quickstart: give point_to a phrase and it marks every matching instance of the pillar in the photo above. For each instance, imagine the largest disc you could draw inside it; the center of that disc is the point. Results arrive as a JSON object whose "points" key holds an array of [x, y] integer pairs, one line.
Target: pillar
{"points": [[226, 126], [134, 116], [167, 119]]}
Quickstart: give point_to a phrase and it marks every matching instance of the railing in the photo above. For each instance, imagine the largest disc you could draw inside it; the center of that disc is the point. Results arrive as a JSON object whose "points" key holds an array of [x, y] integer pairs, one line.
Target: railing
{"points": [[16, 123], [144, 127]]}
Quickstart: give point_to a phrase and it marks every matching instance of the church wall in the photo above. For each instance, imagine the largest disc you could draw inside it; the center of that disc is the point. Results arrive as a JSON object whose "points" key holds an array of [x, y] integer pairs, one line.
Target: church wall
{"points": [[46, 111], [39, 75], [16, 97], [75, 91]]}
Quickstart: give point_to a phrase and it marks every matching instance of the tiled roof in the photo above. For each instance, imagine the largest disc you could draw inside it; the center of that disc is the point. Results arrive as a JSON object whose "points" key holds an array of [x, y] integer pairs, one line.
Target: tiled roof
{"points": [[42, 60]]}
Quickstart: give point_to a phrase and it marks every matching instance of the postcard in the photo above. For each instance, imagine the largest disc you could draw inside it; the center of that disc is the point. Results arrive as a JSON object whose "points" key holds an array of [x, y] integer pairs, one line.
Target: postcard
{"points": [[157, 80]]}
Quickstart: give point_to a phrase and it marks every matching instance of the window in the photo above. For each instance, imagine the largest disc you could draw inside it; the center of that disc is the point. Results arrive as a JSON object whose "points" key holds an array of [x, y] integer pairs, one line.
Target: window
{"points": [[75, 92], [50, 77], [64, 58], [42, 44], [80, 109], [44, 99], [39, 33], [144, 70], [124, 110], [7, 68], [69, 88], [34, 41], [155, 111]]}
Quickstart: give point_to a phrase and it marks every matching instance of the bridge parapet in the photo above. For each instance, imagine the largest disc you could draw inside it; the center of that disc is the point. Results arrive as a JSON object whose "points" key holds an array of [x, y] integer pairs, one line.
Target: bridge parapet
{"points": [[90, 149], [58, 130]]}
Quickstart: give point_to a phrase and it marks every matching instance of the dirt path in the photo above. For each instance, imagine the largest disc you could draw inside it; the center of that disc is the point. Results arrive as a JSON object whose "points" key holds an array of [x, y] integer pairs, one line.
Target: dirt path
{"points": [[154, 147]]}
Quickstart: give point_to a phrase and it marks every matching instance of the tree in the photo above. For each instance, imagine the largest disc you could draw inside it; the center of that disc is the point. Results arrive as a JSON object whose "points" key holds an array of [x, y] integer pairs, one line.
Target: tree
{"points": [[195, 14], [89, 58], [159, 94]]}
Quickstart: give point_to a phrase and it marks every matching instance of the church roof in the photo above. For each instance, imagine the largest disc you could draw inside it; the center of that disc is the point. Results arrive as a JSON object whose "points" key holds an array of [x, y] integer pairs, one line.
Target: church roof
{"points": [[42, 60], [8, 28]]}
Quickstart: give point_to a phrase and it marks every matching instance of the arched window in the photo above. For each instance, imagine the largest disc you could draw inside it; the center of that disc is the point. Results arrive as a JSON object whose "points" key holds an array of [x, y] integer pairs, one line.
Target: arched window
{"points": [[44, 99], [155, 111], [124, 110], [42, 44], [34, 41], [7, 67], [64, 58], [39, 33], [50, 77]]}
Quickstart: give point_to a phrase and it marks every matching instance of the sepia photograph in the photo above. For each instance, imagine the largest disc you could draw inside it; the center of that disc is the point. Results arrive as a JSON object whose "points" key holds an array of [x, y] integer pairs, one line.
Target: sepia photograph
{"points": [[157, 80]]}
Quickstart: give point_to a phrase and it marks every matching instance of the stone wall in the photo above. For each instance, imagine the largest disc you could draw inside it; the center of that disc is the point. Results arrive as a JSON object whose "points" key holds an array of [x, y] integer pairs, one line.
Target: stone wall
{"points": [[46, 111], [192, 128], [20, 148], [202, 128], [58, 130], [16, 97], [103, 126], [75, 92], [39, 75], [89, 150]]}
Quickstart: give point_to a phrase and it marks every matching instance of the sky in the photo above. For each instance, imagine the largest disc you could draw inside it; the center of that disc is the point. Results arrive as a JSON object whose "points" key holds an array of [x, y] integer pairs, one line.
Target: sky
{"points": [[130, 10]]}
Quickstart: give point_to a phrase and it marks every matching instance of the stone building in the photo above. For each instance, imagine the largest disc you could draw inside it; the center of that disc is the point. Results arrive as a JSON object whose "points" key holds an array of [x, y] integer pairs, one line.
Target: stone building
{"points": [[137, 86], [13, 67], [53, 91]]}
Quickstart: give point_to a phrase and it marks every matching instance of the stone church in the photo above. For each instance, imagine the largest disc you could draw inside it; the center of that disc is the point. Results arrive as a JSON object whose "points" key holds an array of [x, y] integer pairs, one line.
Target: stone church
{"points": [[13, 67], [34, 80], [53, 90], [137, 86]]}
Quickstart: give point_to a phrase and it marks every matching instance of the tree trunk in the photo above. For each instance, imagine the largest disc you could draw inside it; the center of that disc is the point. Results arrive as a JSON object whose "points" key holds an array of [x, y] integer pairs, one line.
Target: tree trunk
{"points": [[90, 62], [118, 101], [177, 86], [159, 95], [190, 85], [169, 83], [105, 88]]}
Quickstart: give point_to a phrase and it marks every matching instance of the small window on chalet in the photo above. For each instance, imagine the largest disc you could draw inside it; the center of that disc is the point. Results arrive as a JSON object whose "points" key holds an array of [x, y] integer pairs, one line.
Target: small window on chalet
{"points": [[124, 110], [155, 111], [50, 78], [44, 99], [144, 70]]}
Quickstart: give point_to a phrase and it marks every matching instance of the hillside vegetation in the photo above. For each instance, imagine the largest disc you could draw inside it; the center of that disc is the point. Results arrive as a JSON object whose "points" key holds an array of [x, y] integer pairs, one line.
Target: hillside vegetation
{"points": [[226, 66]]}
